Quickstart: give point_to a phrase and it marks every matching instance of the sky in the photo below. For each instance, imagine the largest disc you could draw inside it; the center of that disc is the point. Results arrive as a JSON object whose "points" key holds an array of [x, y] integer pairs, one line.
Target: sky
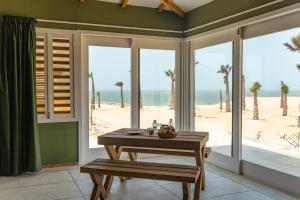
{"points": [[265, 60], [110, 64]]}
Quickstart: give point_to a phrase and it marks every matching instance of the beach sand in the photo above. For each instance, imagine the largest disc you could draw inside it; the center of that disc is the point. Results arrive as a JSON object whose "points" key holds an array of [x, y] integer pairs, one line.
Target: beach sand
{"points": [[264, 133]]}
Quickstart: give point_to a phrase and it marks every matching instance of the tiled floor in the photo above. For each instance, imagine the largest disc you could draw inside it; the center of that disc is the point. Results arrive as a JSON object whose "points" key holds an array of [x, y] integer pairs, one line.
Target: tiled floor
{"points": [[69, 184]]}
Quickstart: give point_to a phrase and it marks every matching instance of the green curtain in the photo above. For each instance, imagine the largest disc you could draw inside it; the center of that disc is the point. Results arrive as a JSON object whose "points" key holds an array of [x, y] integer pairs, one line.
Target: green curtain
{"points": [[19, 141]]}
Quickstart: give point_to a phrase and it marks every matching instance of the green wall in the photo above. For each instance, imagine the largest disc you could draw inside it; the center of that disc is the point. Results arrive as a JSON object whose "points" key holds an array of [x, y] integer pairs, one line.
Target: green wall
{"points": [[219, 9], [95, 12], [59, 142]]}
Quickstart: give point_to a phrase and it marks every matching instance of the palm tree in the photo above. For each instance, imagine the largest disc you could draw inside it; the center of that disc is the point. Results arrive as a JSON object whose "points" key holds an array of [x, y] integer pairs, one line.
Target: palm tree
{"points": [[221, 100], [294, 46], [281, 96], [243, 93], [254, 89], [91, 76], [284, 91], [98, 95], [121, 84], [171, 74], [225, 70]]}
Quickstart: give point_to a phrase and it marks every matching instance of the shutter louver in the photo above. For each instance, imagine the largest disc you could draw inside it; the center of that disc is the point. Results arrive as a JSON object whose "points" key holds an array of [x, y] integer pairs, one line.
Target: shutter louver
{"points": [[40, 76], [61, 76]]}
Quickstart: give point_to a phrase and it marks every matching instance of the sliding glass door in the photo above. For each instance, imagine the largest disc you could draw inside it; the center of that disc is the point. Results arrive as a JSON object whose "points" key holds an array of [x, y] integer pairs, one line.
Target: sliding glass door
{"points": [[213, 95], [125, 82], [247, 96], [213, 68], [271, 133], [106, 91], [109, 90]]}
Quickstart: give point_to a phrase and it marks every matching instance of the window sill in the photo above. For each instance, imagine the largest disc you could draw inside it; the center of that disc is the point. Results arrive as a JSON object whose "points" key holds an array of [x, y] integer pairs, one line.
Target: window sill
{"points": [[56, 120]]}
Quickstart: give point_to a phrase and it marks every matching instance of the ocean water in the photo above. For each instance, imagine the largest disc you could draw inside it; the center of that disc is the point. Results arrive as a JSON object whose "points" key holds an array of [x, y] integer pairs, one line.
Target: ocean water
{"points": [[162, 98]]}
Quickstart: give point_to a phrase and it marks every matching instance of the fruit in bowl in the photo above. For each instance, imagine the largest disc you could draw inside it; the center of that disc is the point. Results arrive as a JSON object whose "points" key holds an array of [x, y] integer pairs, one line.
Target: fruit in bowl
{"points": [[167, 131]]}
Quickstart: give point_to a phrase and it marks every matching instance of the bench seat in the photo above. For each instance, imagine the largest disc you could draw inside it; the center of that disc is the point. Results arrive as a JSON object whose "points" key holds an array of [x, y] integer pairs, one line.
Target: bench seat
{"points": [[145, 170]]}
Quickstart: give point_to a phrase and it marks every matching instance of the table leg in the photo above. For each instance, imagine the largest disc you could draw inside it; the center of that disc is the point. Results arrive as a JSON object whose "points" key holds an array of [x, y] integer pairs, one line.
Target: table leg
{"points": [[203, 168], [132, 156], [186, 191], [114, 154]]}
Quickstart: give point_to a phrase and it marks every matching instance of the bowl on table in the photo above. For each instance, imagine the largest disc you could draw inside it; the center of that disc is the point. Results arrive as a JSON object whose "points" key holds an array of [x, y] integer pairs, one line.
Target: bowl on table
{"points": [[166, 132]]}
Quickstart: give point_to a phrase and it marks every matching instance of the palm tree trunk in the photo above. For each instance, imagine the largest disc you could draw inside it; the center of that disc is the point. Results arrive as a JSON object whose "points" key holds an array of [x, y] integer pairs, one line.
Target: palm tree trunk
{"points": [[93, 95], [281, 101], [99, 105], [284, 113], [243, 93], [172, 95], [255, 108], [228, 107], [91, 116], [221, 100], [122, 98]]}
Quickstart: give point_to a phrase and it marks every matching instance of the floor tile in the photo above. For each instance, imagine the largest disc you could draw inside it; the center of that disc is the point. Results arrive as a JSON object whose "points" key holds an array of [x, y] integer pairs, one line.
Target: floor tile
{"points": [[249, 195], [70, 184], [42, 192], [35, 179]]}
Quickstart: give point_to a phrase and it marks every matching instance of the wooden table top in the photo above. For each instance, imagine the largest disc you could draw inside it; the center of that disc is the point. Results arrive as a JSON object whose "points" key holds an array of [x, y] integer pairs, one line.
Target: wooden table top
{"points": [[185, 140]]}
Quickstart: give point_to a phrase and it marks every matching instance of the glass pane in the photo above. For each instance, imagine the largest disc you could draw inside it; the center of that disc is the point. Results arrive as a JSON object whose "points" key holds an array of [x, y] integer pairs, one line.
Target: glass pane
{"points": [[109, 90], [213, 95], [271, 133], [157, 85]]}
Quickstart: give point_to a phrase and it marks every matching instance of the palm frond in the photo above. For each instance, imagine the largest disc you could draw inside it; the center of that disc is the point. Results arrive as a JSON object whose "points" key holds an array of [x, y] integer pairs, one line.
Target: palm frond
{"points": [[98, 94], [171, 74], [119, 84], [296, 42], [255, 87], [284, 89], [298, 67], [91, 75], [294, 45], [290, 47]]}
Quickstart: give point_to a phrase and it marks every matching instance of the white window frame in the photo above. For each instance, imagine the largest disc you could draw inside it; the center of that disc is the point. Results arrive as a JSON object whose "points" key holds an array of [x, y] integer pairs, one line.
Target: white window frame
{"points": [[275, 21], [135, 42], [232, 162], [156, 44], [288, 182], [50, 117]]}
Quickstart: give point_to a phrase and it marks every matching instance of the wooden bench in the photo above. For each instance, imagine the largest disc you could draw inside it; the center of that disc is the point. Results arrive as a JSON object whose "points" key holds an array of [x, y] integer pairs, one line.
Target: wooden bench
{"points": [[171, 152], [168, 172]]}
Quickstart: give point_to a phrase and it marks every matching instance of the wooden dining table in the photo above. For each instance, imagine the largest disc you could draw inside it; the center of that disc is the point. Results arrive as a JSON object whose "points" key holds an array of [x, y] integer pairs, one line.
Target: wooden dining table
{"points": [[186, 142]]}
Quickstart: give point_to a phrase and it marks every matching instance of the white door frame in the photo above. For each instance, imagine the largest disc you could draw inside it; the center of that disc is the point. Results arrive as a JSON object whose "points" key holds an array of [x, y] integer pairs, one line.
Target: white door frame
{"points": [[86, 153]]}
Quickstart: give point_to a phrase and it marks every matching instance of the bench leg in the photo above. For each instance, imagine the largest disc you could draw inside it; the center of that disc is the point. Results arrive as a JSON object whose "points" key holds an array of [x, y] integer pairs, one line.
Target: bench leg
{"points": [[198, 188], [186, 190], [114, 154], [98, 190]]}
